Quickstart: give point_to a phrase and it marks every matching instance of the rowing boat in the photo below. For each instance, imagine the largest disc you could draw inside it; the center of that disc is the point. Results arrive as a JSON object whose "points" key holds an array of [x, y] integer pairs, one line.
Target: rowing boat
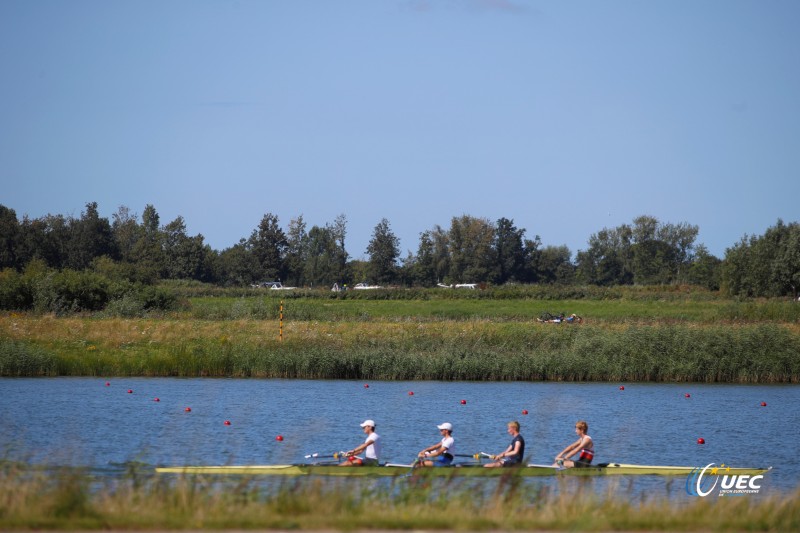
{"points": [[392, 469]]}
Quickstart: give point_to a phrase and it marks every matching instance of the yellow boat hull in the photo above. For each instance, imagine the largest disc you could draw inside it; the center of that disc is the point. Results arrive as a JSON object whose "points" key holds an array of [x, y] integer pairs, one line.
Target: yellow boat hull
{"points": [[458, 470]]}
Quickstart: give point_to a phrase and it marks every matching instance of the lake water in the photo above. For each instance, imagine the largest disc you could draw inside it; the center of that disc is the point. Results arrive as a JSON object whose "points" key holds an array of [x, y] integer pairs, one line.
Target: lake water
{"points": [[85, 422]]}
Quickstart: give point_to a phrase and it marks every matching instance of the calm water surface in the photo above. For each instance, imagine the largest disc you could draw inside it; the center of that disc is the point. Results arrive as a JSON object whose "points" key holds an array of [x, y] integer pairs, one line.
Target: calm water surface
{"points": [[84, 422]]}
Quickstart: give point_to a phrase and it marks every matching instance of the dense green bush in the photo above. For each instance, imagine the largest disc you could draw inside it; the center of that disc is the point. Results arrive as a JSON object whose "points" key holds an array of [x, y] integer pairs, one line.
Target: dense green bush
{"points": [[15, 291], [69, 291]]}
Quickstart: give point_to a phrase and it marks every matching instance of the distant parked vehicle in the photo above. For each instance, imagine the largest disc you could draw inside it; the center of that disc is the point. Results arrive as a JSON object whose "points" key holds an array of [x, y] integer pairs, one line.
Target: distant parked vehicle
{"points": [[365, 286], [458, 286], [272, 285]]}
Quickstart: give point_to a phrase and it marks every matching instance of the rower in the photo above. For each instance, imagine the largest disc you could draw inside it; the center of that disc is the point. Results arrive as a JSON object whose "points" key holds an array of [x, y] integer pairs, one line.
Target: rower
{"points": [[512, 456], [371, 447], [584, 445], [441, 453]]}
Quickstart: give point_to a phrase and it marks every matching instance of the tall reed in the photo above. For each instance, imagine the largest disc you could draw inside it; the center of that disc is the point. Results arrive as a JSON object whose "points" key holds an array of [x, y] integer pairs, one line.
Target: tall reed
{"points": [[474, 350]]}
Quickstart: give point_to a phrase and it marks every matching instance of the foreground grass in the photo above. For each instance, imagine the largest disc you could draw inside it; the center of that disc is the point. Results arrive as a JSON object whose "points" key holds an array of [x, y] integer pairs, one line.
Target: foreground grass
{"points": [[443, 350], [34, 501]]}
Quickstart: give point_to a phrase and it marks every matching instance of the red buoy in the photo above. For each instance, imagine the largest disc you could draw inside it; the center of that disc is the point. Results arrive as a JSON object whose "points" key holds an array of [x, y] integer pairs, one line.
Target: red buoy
{"points": [[463, 402], [524, 411], [701, 440], [227, 422], [130, 391], [411, 393], [366, 385], [622, 387], [156, 400], [107, 384], [279, 438], [687, 395], [763, 404], [188, 409]]}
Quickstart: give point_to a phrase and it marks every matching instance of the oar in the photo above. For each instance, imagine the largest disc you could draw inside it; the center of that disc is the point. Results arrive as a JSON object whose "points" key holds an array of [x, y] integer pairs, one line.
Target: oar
{"points": [[471, 456], [336, 455]]}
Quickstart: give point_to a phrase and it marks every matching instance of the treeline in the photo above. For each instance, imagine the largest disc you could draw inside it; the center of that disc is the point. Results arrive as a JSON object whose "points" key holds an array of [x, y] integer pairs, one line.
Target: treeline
{"points": [[143, 251]]}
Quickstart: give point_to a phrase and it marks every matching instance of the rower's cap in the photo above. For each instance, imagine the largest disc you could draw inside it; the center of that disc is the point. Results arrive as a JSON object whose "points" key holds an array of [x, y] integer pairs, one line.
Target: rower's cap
{"points": [[447, 425], [366, 423]]}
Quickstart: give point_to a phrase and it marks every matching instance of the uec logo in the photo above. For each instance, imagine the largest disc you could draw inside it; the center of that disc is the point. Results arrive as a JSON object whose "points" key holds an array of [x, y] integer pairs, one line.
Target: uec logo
{"points": [[700, 484]]}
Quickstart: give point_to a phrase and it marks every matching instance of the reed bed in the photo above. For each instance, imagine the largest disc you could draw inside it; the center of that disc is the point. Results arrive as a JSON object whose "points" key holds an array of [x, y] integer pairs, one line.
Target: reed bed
{"points": [[72, 500], [440, 350]]}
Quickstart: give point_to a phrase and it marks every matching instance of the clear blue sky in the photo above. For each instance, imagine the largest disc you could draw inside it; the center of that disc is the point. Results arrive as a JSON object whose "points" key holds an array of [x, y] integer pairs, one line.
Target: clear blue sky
{"points": [[566, 116]]}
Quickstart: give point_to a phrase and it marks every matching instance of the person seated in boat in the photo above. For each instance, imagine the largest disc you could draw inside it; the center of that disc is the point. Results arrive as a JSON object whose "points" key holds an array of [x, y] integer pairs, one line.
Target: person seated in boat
{"points": [[441, 453], [584, 445], [512, 456], [371, 448]]}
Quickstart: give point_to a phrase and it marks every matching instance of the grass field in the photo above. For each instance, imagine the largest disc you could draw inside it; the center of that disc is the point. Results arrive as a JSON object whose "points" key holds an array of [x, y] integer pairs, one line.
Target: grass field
{"points": [[672, 309], [669, 337]]}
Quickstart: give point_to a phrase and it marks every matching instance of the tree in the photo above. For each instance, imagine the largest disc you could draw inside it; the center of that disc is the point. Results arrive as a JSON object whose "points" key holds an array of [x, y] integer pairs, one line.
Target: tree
{"points": [[440, 250], [237, 266], [45, 238], [607, 260], [339, 231], [555, 266], [322, 264], [147, 252], [472, 254], [767, 265], [296, 251], [268, 244], [383, 250], [90, 237], [510, 250], [127, 232], [646, 253], [786, 267], [704, 270], [185, 257], [421, 268], [9, 238]]}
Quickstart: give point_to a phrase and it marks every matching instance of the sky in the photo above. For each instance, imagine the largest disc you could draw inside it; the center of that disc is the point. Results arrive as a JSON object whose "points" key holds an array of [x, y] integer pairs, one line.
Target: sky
{"points": [[566, 116]]}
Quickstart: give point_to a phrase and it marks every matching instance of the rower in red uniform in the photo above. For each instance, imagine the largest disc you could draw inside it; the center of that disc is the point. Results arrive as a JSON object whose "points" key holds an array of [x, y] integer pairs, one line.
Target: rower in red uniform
{"points": [[584, 445]]}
